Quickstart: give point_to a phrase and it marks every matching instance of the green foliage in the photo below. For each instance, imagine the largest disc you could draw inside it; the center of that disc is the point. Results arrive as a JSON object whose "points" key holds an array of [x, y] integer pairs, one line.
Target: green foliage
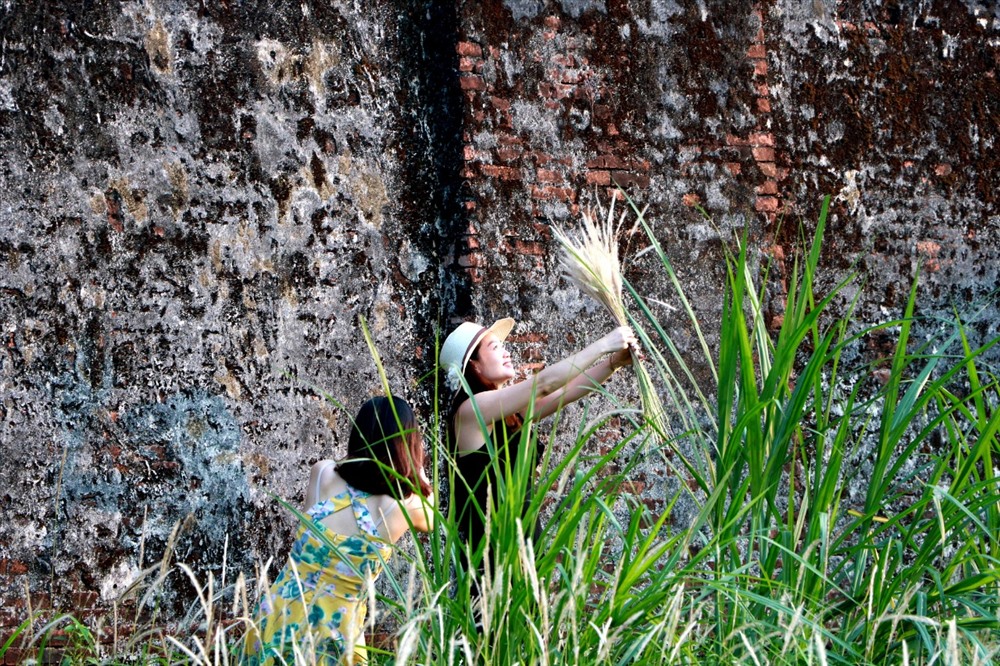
{"points": [[847, 511], [783, 562]]}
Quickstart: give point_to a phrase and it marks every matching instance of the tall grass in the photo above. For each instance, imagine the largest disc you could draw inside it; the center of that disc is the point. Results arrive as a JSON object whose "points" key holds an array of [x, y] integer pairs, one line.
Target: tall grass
{"points": [[846, 509], [785, 560]]}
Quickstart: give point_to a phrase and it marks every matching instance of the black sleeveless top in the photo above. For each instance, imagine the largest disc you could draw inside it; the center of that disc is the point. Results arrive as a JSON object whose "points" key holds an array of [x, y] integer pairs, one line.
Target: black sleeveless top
{"points": [[476, 482]]}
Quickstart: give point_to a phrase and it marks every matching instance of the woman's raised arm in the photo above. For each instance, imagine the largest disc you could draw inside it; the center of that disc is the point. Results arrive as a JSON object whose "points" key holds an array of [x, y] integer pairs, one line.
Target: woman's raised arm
{"points": [[500, 403]]}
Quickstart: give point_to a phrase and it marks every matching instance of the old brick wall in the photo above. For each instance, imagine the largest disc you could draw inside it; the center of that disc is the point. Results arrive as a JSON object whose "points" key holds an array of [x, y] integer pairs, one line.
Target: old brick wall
{"points": [[199, 198], [752, 112]]}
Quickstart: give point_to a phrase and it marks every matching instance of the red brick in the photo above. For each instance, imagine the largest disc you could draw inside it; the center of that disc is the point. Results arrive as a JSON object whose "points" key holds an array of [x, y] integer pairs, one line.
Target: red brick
{"points": [[562, 193], [528, 369], [608, 162], [510, 140], [769, 187], [631, 487], [929, 248], [469, 154], [620, 163], [466, 64], [472, 83], [757, 51], [767, 204], [529, 337], [734, 168], [469, 49], [500, 103], [16, 656], [626, 178], [763, 105], [529, 247], [16, 567], [769, 169], [544, 231], [553, 22], [41, 601], [549, 176], [762, 154], [763, 90], [509, 153], [598, 178], [554, 91], [760, 68], [501, 172], [733, 140], [761, 139]]}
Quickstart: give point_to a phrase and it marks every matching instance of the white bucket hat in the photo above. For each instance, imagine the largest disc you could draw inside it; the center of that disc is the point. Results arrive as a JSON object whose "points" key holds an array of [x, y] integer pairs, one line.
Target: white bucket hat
{"points": [[460, 343]]}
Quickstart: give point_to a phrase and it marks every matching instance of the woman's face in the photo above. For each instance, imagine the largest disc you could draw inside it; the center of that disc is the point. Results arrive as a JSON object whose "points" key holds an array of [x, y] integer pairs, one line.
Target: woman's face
{"points": [[493, 360]]}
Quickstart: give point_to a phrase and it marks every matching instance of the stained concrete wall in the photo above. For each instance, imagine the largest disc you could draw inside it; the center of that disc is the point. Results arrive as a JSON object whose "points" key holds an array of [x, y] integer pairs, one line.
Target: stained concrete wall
{"points": [[200, 204], [200, 199]]}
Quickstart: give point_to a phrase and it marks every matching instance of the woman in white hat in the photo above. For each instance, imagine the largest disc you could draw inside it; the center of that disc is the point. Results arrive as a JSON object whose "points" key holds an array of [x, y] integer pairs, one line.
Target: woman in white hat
{"points": [[478, 353]]}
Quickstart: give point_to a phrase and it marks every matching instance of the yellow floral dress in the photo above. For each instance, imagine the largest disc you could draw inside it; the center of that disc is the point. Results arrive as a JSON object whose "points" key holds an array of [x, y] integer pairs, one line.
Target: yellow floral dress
{"points": [[318, 602]]}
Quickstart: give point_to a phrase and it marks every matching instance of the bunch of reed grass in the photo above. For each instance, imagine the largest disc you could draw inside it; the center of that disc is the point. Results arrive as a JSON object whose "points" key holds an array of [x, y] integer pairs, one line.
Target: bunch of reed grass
{"points": [[590, 261]]}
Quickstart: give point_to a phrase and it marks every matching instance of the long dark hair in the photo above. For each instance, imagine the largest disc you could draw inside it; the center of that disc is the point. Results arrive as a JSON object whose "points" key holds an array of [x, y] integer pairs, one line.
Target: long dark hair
{"points": [[385, 452], [477, 384]]}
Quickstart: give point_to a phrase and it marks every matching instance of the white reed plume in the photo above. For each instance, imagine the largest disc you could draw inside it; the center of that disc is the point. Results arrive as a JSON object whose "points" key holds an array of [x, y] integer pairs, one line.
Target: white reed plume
{"points": [[590, 261]]}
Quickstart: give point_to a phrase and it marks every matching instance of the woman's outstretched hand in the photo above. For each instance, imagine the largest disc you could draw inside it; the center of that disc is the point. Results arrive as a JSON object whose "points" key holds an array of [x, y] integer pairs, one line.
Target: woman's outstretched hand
{"points": [[624, 346], [622, 338]]}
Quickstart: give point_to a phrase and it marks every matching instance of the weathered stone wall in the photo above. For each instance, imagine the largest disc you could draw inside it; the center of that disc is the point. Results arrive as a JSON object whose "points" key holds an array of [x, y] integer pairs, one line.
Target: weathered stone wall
{"points": [[199, 198], [200, 201]]}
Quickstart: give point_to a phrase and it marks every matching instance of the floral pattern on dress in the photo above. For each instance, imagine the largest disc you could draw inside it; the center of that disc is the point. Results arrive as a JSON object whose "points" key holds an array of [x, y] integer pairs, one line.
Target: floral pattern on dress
{"points": [[317, 603]]}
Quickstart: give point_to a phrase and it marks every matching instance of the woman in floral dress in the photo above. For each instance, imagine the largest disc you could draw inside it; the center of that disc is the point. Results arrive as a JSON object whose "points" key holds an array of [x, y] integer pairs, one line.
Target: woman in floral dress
{"points": [[358, 507]]}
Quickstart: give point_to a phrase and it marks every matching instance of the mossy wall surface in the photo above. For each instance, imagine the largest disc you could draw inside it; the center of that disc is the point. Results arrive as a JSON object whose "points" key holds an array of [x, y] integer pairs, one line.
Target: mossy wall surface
{"points": [[200, 200]]}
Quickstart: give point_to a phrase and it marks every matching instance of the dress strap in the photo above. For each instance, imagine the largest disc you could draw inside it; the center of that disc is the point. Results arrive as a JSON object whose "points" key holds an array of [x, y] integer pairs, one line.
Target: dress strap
{"points": [[359, 501], [321, 510]]}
